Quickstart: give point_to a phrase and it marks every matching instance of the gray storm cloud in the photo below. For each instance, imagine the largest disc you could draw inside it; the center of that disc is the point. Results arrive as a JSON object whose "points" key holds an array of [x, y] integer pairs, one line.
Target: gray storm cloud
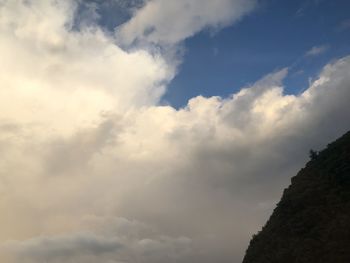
{"points": [[92, 169]]}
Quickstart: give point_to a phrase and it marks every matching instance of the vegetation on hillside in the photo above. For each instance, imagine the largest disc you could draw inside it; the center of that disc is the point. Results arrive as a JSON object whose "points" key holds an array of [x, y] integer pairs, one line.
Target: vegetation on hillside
{"points": [[311, 223]]}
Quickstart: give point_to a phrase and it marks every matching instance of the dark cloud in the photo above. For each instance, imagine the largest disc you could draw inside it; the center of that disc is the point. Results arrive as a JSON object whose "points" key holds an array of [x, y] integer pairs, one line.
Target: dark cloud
{"points": [[62, 248]]}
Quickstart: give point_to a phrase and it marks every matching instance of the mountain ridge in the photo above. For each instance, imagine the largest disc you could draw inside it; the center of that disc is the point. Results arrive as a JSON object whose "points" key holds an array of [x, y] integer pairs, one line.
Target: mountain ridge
{"points": [[311, 223]]}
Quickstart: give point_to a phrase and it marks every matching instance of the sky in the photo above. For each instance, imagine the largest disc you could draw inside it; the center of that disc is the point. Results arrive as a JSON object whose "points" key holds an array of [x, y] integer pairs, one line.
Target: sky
{"points": [[160, 131], [277, 34]]}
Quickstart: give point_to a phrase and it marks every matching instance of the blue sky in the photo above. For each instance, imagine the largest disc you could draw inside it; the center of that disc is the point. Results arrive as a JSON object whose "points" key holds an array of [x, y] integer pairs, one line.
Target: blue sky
{"points": [[277, 35]]}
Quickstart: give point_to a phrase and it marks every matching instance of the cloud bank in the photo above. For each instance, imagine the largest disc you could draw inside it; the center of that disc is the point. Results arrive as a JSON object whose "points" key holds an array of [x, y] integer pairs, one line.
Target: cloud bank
{"points": [[93, 169]]}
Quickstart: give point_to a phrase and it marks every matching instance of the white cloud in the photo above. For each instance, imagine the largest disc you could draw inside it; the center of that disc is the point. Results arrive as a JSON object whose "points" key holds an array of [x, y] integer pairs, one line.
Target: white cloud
{"points": [[47, 66], [92, 169], [169, 22], [205, 172], [317, 50]]}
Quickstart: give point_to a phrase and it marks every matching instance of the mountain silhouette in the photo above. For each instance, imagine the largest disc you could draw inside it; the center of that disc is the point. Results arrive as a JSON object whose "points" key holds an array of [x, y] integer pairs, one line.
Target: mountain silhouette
{"points": [[311, 223]]}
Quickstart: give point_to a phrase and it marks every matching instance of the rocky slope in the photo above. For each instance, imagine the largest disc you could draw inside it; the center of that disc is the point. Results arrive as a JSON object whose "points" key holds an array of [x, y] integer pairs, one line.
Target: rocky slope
{"points": [[311, 223]]}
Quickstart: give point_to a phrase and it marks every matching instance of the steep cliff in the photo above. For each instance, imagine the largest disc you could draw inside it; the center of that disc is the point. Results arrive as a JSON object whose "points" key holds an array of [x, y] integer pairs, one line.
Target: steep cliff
{"points": [[311, 223]]}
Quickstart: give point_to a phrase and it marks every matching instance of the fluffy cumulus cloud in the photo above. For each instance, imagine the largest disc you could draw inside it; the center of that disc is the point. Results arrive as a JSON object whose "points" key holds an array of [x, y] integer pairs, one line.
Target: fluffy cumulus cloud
{"points": [[93, 169], [84, 71]]}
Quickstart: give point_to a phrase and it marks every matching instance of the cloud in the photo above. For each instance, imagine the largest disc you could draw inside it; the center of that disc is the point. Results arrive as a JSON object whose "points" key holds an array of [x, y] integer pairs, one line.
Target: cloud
{"points": [[43, 58], [317, 50], [344, 25], [62, 248], [167, 23], [307, 5], [92, 247], [93, 169], [205, 176]]}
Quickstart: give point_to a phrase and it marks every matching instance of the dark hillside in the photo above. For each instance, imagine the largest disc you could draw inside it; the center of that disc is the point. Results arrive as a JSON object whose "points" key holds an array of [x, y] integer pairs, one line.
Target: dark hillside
{"points": [[311, 223]]}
